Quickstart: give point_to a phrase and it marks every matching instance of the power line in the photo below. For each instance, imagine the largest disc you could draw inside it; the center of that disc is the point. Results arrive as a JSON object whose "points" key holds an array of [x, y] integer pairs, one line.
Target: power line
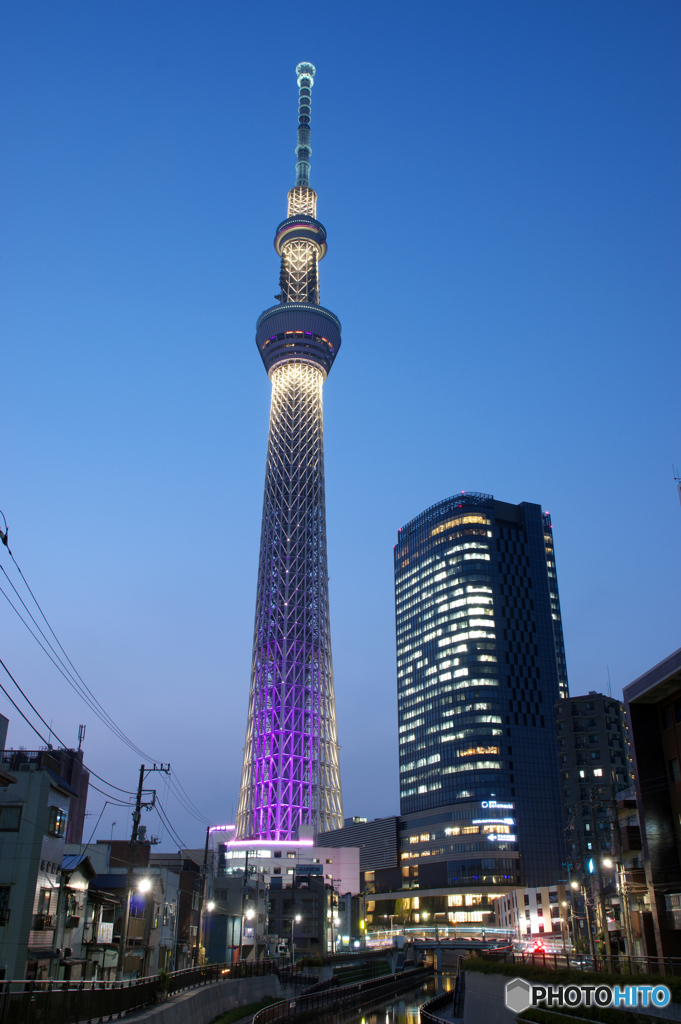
{"points": [[164, 817], [79, 685], [49, 745], [17, 706], [112, 799]]}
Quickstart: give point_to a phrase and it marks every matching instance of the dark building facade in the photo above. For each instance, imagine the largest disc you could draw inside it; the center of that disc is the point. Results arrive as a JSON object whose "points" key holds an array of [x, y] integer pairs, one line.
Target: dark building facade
{"points": [[480, 666], [595, 765], [311, 900], [653, 703]]}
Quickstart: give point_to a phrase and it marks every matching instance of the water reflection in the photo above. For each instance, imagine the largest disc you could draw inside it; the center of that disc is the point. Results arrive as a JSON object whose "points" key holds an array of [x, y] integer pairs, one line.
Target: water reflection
{"points": [[403, 1008]]}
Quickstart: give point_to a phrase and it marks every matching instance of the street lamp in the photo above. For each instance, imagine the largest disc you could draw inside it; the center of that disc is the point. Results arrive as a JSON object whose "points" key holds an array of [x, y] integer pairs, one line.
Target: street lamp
{"points": [[144, 885], [210, 906], [295, 920]]}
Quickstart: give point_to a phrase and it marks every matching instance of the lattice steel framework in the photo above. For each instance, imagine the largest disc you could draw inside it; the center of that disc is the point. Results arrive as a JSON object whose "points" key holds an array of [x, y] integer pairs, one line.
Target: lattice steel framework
{"points": [[290, 774]]}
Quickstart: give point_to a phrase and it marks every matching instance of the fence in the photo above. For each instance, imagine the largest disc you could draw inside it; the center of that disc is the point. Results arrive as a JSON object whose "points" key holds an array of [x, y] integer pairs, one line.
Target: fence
{"points": [[428, 1011], [66, 1002], [618, 963], [340, 996]]}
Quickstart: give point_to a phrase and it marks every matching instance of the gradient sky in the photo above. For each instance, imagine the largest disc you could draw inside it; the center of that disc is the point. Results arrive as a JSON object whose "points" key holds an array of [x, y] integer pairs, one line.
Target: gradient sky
{"points": [[500, 186]]}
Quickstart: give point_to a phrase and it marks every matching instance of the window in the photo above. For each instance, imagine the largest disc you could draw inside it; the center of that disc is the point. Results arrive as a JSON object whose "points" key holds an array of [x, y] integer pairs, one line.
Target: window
{"points": [[10, 818], [276, 871], [598, 772], [677, 710], [674, 770], [44, 901], [290, 871], [582, 773], [4, 904], [277, 853], [291, 855], [330, 861], [57, 822]]}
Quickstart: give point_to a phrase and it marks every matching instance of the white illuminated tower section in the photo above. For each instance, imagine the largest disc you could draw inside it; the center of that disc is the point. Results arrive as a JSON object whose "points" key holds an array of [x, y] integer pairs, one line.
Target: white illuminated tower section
{"points": [[290, 774]]}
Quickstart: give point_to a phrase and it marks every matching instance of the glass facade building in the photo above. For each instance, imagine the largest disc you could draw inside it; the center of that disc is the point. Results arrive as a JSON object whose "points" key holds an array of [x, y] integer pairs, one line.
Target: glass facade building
{"points": [[480, 666]]}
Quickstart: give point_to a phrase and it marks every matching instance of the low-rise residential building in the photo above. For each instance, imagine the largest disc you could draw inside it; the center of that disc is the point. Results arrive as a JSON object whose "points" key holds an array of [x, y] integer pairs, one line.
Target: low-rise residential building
{"points": [[151, 936], [189, 895], [235, 919], [531, 914], [34, 814]]}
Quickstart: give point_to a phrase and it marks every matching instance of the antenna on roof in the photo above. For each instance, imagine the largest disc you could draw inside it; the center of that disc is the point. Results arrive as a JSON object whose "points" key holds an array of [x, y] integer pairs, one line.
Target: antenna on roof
{"points": [[81, 735], [609, 686]]}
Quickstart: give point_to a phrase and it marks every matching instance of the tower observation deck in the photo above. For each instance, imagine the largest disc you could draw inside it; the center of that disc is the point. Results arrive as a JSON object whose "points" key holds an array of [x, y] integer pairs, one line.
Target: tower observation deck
{"points": [[290, 776]]}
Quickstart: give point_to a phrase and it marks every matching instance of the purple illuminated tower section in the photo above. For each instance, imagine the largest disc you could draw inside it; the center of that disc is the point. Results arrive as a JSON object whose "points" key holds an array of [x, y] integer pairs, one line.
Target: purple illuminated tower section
{"points": [[290, 774]]}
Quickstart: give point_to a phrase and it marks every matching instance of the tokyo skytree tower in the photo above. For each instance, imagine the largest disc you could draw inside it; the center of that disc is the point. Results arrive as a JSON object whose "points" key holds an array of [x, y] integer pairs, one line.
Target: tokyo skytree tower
{"points": [[290, 773]]}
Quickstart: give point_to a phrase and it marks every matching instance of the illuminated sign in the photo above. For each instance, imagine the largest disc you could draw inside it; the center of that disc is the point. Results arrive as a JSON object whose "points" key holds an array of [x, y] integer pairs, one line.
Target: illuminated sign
{"points": [[502, 838], [493, 803], [494, 821]]}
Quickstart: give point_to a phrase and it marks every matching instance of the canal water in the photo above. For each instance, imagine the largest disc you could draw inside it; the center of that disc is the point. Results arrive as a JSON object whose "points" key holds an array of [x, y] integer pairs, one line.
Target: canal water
{"points": [[402, 1008]]}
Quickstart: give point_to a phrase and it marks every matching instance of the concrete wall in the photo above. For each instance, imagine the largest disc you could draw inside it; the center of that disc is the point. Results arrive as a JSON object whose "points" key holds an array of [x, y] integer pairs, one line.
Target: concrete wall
{"points": [[203, 1005], [484, 999]]}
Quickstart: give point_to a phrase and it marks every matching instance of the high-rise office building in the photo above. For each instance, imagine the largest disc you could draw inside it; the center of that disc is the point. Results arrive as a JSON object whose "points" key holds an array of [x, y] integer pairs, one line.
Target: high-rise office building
{"points": [[480, 665], [290, 775]]}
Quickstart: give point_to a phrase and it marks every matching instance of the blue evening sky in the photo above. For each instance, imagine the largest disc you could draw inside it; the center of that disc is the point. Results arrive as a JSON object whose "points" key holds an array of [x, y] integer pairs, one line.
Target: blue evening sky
{"points": [[500, 186]]}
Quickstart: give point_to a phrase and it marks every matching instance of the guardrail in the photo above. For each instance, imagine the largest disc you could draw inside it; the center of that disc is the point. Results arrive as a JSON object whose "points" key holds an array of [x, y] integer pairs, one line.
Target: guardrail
{"points": [[343, 995], [617, 963], [428, 1011]]}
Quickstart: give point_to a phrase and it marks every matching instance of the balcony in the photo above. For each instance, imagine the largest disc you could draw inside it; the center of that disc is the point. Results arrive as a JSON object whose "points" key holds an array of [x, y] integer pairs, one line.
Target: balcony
{"points": [[636, 879], [41, 922]]}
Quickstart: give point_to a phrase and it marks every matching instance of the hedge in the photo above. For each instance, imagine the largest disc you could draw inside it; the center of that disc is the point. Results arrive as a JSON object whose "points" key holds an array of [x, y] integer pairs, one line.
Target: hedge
{"points": [[547, 975]]}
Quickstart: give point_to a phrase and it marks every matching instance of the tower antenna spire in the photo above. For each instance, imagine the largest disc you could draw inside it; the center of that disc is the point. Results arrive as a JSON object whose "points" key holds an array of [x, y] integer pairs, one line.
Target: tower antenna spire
{"points": [[290, 780], [305, 73]]}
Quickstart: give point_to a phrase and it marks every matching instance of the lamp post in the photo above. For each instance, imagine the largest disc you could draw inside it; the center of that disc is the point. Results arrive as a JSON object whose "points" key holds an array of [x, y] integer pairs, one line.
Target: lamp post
{"points": [[391, 916], [143, 886], [294, 920]]}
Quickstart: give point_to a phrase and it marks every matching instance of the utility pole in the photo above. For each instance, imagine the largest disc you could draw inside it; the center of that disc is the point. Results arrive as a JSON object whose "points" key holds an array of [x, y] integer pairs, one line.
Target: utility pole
{"points": [[568, 865], [592, 949], [601, 915], [132, 849], [620, 872], [202, 899]]}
